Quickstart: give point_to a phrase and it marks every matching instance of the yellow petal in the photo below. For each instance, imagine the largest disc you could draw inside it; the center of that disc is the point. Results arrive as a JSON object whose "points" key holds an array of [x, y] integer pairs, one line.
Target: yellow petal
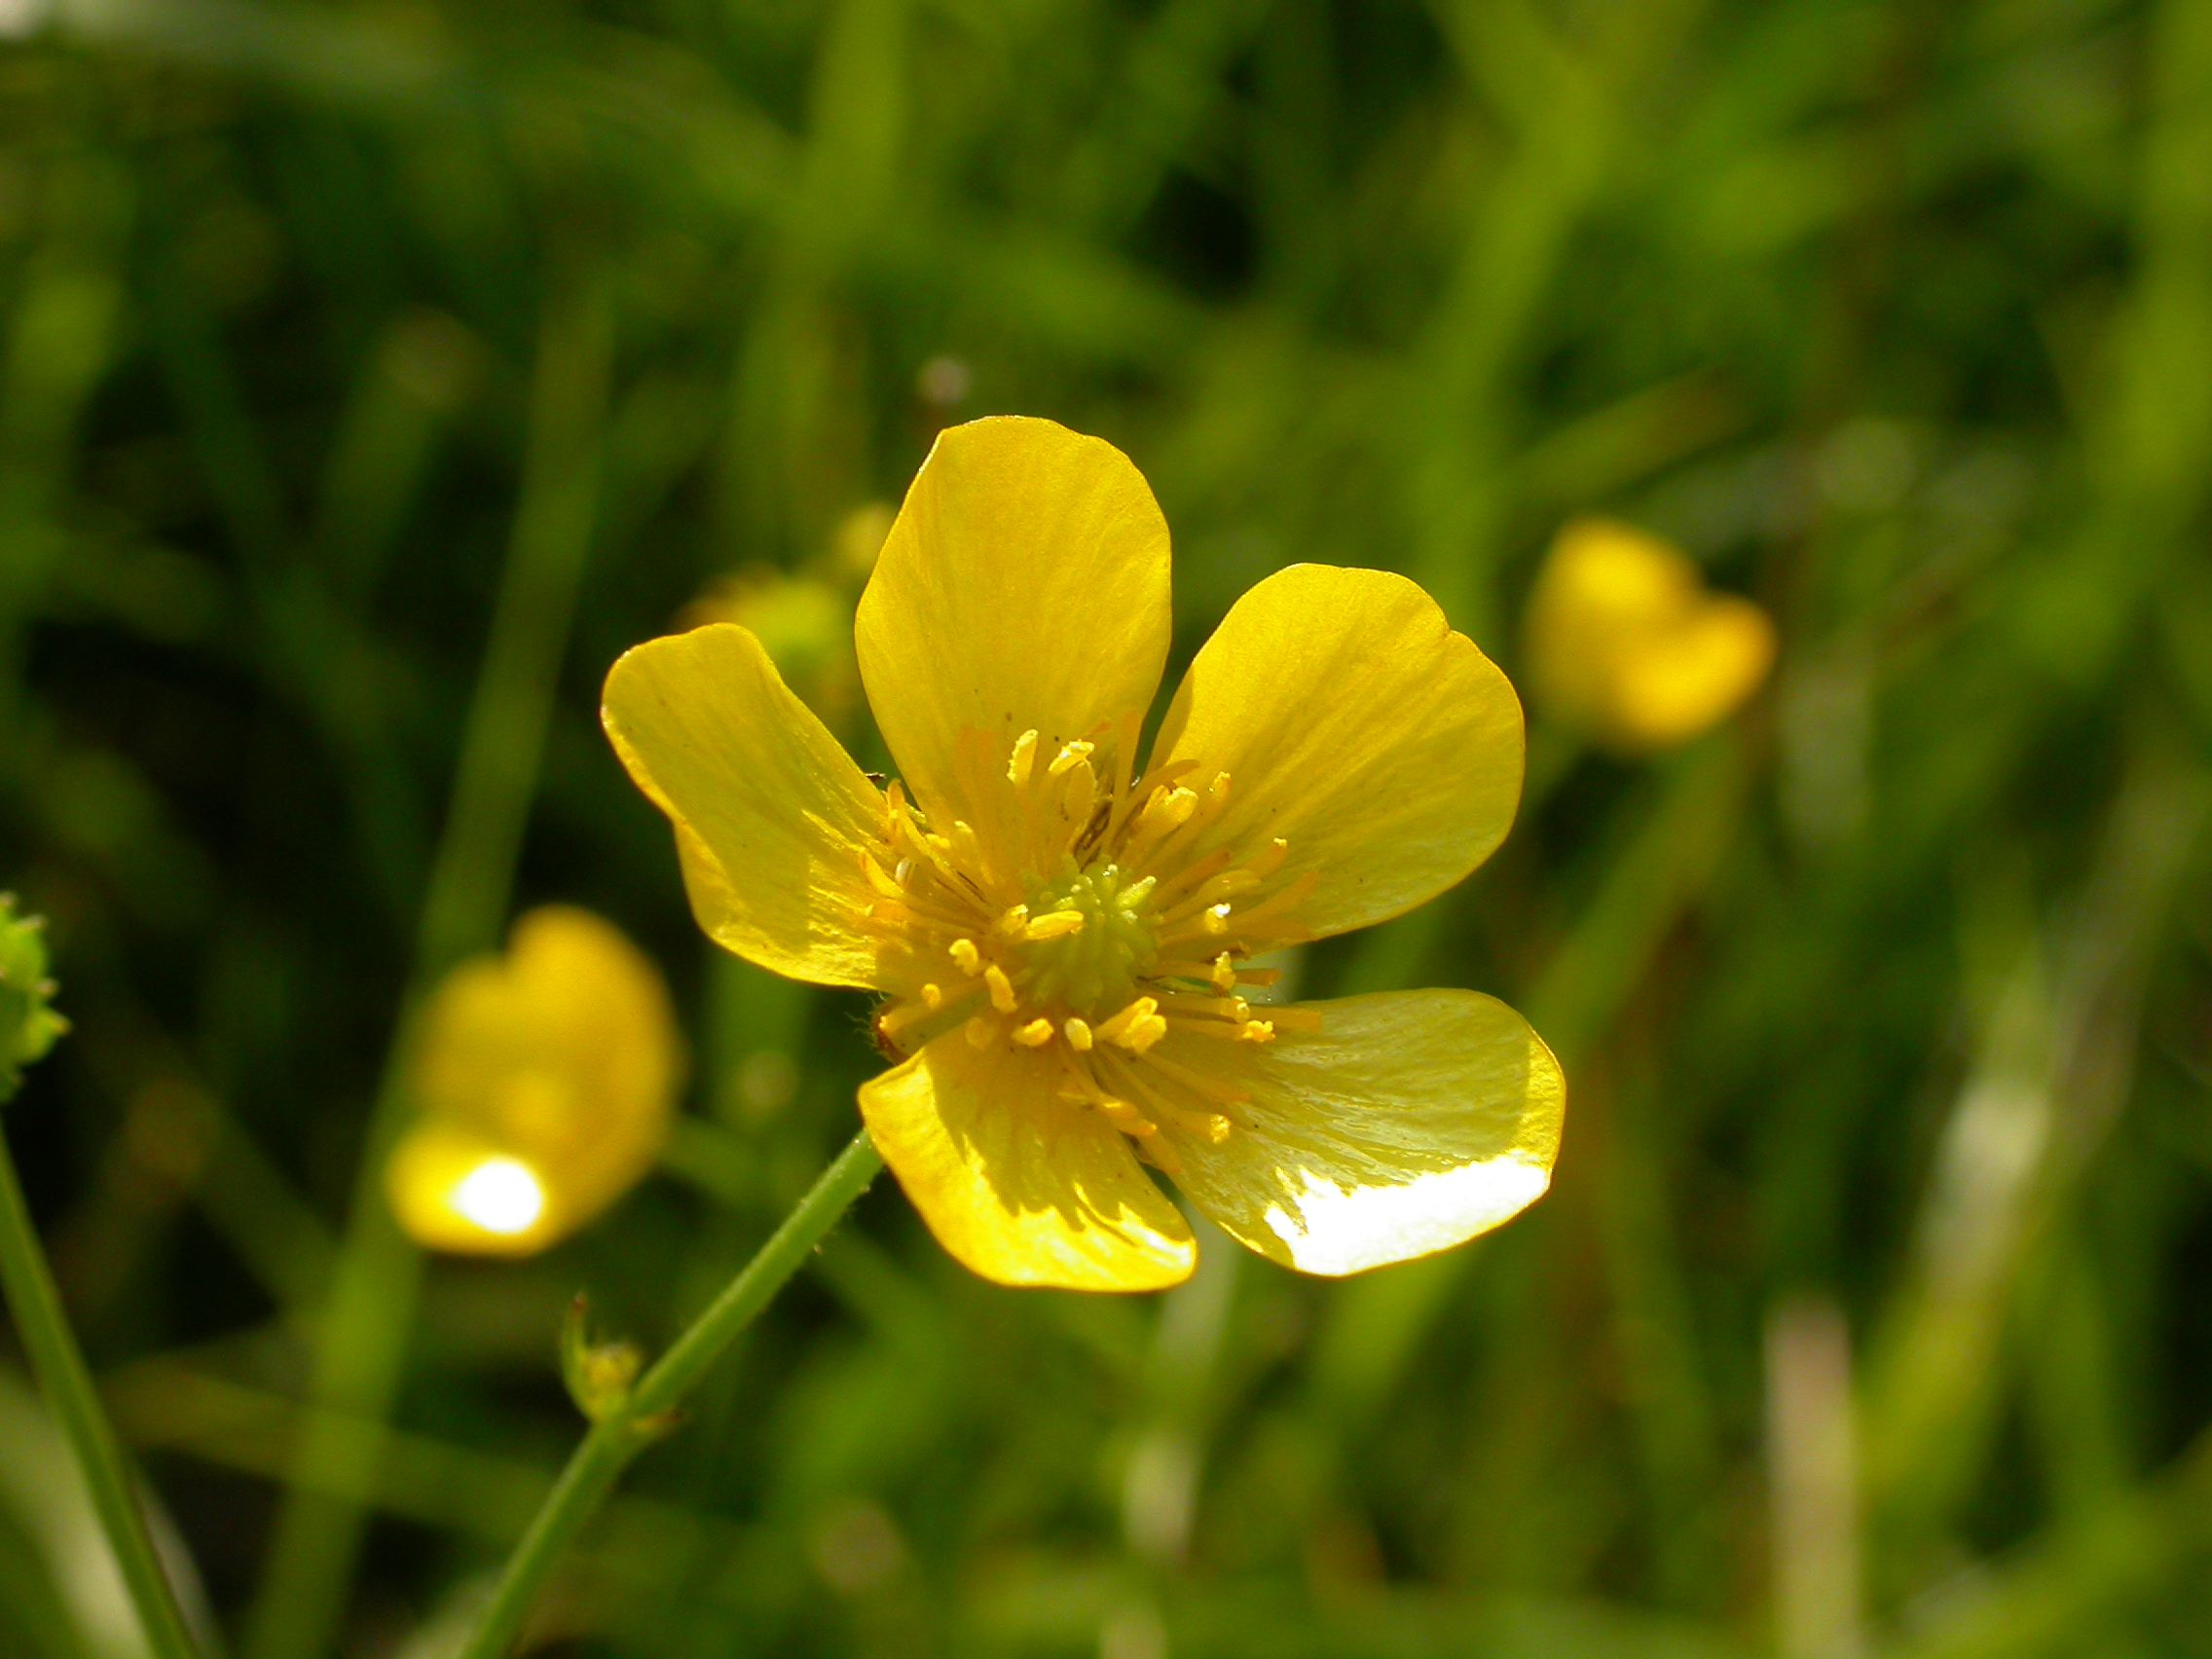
{"points": [[1021, 1186], [1624, 640], [1023, 587], [1353, 723], [453, 1189], [1676, 684], [1411, 1121], [544, 1079], [771, 815]]}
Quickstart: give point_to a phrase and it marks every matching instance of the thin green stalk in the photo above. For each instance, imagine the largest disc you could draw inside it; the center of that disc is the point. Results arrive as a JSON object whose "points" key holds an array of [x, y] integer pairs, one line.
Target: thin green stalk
{"points": [[364, 1326], [69, 1393], [641, 1420]]}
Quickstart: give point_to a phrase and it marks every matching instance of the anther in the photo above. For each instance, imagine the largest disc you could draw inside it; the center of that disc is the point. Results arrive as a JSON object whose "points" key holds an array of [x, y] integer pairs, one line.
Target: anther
{"points": [[1079, 1036], [1014, 924], [1137, 1027], [1058, 924], [1024, 758], [1068, 756], [1035, 1035], [966, 957], [1216, 919], [878, 879], [1001, 988], [933, 998], [1269, 858], [1256, 1031], [1225, 973], [1167, 809]]}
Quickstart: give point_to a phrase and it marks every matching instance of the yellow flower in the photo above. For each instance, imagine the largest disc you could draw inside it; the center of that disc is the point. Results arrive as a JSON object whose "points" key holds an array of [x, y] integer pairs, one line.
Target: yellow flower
{"points": [[543, 1079], [1063, 937], [803, 621], [1624, 640]]}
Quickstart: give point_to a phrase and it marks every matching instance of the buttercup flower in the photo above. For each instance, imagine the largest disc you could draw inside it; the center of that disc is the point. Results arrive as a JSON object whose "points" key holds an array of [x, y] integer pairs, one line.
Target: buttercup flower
{"points": [[1063, 936], [543, 1079], [1624, 639]]}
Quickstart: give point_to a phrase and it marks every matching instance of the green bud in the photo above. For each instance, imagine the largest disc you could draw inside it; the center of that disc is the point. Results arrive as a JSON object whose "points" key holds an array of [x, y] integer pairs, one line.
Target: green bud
{"points": [[28, 1026], [599, 1374]]}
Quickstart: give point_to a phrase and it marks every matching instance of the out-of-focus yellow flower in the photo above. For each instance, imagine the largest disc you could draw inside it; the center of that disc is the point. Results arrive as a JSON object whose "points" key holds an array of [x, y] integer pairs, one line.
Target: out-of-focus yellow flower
{"points": [[1624, 639], [1063, 936], [543, 1079], [804, 620]]}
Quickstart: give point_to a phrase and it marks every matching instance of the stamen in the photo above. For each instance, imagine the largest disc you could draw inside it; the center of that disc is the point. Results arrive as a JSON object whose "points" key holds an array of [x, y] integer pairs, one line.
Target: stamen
{"points": [[1224, 973], [933, 998], [1079, 1034], [1137, 1027], [1001, 988], [1014, 924], [1068, 756], [1025, 760], [1058, 924], [966, 957], [1035, 1035], [878, 879], [1216, 919]]}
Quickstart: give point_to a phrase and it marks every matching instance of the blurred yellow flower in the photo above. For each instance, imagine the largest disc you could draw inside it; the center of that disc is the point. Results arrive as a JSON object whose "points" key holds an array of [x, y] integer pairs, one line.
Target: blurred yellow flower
{"points": [[1062, 937], [1624, 639], [804, 621], [542, 1080]]}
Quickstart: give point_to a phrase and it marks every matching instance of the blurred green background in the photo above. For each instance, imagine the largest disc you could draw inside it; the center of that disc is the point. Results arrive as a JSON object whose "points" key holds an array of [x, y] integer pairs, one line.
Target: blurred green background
{"points": [[372, 373]]}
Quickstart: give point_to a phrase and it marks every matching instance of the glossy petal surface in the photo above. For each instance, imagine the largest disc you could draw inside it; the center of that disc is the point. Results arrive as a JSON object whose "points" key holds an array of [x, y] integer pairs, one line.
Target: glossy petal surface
{"points": [[1412, 1122], [1353, 723], [770, 813], [1019, 1184], [1023, 587]]}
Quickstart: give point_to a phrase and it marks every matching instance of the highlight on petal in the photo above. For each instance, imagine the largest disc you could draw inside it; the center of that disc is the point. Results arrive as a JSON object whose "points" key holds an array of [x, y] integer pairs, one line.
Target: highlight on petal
{"points": [[1023, 587], [1409, 1123], [771, 815], [1624, 639], [1019, 1184], [1354, 723], [543, 1079]]}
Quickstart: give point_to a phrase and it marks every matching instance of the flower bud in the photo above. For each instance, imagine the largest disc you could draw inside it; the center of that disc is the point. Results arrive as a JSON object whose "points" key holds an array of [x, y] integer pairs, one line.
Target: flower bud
{"points": [[1625, 641], [543, 1079]]}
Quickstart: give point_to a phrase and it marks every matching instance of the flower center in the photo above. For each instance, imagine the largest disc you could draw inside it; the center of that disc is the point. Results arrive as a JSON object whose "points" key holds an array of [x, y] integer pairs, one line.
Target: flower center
{"points": [[1083, 917], [1091, 970]]}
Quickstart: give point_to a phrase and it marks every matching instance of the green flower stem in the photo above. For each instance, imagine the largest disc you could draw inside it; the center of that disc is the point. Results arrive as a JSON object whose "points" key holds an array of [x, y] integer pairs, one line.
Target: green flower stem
{"points": [[69, 1393], [622, 1434], [363, 1326]]}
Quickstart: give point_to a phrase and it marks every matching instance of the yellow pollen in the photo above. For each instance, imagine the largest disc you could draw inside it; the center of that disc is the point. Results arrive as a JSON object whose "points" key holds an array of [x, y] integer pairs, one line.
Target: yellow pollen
{"points": [[932, 998], [1137, 1027], [1035, 1035], [1167, 809], [1025, 760], [966, 957], [1224, 973], [1001, 988], [1014, 924], [1068, 756], [1216, 919], [1058, 925], [1256, 1031], [1079, 1036]]}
